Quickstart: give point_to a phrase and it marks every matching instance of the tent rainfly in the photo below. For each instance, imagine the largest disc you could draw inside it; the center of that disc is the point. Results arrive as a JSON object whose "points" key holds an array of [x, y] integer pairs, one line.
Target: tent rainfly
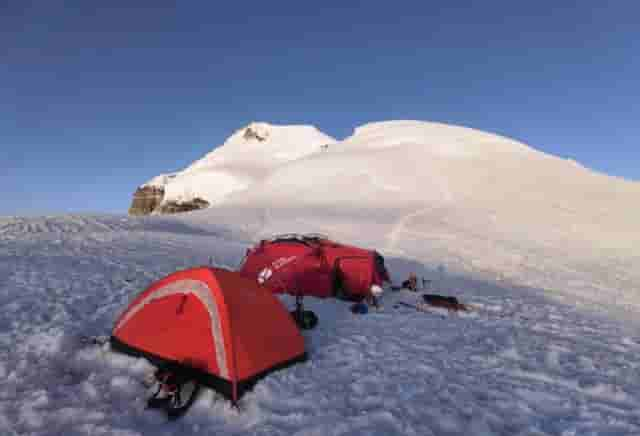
{"points": [[225, 329]]}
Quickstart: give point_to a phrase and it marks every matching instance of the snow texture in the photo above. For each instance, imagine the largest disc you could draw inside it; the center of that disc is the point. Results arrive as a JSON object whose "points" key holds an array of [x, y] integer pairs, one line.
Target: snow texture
{"points": [[246, 158], [543, 251]]}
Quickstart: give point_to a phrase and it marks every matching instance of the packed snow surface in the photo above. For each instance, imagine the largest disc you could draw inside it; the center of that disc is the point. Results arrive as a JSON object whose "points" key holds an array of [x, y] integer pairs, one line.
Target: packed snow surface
{"points": [[544, 252]]}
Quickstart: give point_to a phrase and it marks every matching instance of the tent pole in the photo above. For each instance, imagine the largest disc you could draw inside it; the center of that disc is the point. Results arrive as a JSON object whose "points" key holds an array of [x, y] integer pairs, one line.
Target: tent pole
{"points": [[299, 306]]}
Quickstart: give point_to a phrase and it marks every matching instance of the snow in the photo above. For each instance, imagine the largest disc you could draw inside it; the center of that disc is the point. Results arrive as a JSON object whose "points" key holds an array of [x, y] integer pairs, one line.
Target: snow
{"points": [[544, 252], [212, 186], [245, 159], [437, 138], [159, 181]]}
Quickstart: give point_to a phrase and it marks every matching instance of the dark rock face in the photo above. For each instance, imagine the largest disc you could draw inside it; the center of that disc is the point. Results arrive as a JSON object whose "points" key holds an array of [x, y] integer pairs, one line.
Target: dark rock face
{"points": [[250, 133], [185, 206], [145, 200], [148, 199]]}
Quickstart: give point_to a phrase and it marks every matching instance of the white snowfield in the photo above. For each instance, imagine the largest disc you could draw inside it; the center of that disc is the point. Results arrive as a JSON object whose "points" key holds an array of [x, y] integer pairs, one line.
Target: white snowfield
{"points": [[244, 159], [543, 250], [476, 201]]}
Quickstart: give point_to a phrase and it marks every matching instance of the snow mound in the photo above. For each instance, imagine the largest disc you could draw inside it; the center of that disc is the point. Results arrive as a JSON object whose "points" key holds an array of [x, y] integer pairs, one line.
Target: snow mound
{"points": [[265, 146], [245, 158], [435, 138], [257, 152], [159, 181]]}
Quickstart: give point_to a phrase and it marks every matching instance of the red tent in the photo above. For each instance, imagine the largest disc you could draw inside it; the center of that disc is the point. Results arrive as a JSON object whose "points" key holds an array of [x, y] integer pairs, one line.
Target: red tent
{"points": [[314, 265], [224, 328]]}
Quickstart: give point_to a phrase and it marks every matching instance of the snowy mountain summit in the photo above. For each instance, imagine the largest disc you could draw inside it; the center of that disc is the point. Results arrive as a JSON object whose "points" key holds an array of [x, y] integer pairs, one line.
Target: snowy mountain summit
{"points": [[422, 189], [435, 138], [255, 152], [425, 190], [246, 157]]}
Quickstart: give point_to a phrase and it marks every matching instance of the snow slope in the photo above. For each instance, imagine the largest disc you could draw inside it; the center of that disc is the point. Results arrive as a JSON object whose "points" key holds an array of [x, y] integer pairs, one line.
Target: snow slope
{"points": [[486, 203], [520, 363], [244, 159], [542, 249]]}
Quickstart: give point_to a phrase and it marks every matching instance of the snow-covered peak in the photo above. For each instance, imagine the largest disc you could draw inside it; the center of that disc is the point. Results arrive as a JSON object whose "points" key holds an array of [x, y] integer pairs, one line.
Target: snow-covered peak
{"points": [[258, 131], [248, 156], [159, 181], [452, 191], [438, 138], [264, 145]]}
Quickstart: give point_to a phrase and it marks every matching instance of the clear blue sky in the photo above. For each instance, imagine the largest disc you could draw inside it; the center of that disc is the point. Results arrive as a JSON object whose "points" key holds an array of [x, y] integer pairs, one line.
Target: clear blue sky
{"points": [[96, 97]]}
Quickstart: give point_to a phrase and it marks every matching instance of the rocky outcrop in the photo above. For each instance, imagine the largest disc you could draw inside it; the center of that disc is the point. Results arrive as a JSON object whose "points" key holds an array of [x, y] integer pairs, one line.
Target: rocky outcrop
{"points": [[254, 132], [184, 206], [146, 199]]}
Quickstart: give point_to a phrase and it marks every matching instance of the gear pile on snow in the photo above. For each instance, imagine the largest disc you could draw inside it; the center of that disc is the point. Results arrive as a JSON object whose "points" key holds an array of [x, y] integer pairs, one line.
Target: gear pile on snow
{"points": [[313, 265]]}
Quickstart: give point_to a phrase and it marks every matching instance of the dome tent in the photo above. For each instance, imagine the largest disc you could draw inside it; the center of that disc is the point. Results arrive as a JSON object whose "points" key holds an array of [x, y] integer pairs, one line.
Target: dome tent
{"points": [[223, 329]]}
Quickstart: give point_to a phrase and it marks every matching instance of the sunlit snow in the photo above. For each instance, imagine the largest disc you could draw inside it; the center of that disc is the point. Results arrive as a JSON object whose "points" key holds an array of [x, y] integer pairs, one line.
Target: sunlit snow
{"points": [[543, 250]]}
